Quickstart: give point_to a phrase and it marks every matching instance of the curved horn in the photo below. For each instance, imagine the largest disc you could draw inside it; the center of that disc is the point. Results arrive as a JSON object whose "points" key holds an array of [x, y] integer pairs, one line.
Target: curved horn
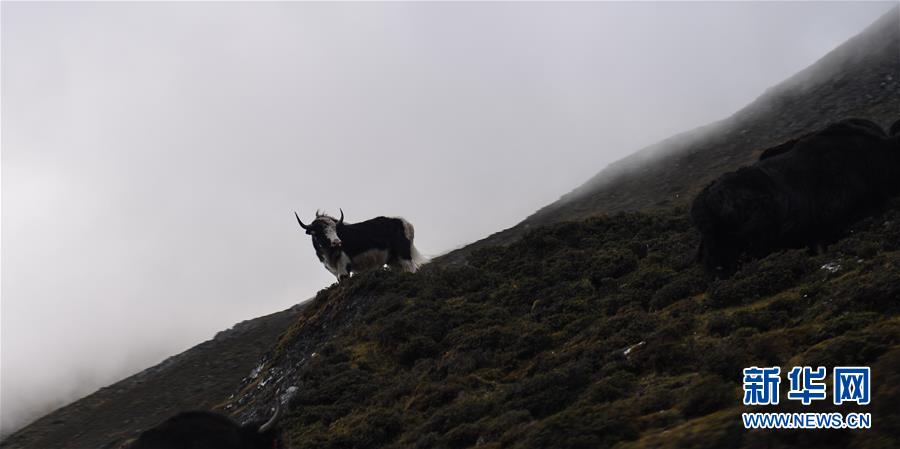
{"points": [[298, 221], [272, 421], [318, 214], [341, 221]]}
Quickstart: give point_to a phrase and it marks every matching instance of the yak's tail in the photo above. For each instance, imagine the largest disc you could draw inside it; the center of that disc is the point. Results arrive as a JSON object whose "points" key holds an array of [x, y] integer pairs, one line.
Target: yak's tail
{"points": [[417, 258]]}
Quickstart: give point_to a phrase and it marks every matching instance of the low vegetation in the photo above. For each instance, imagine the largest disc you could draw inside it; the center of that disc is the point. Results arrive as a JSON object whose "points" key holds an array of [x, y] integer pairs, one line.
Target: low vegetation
{"points": [[524, 346]]}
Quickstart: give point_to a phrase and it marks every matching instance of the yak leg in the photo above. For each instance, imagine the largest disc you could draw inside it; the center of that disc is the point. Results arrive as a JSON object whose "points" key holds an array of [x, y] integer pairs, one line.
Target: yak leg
{"points": [[403, 265], [339, 267], [407, 265]]}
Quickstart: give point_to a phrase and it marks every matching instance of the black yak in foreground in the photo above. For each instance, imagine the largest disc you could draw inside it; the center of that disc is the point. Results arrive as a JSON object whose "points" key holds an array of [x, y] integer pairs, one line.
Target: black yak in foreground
{"points": [[344, 248], [801, 193], [208, 430]]}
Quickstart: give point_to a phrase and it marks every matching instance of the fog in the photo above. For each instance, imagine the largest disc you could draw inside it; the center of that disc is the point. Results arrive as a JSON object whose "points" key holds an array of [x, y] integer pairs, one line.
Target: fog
{"points": [[153, 153]]}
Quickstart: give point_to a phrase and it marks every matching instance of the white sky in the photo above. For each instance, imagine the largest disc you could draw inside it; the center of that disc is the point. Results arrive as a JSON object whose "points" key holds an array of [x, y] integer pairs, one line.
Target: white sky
{"points": [[152, 154]]}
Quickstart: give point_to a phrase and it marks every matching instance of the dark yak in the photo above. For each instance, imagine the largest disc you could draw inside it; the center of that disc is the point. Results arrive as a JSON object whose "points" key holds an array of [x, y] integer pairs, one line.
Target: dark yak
{"points": [[208, 430], [804, 192], [353, 247]]}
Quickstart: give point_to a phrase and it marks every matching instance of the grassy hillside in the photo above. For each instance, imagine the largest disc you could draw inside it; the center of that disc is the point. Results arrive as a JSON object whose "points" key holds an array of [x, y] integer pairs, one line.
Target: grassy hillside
{"points": [[524, 346]]}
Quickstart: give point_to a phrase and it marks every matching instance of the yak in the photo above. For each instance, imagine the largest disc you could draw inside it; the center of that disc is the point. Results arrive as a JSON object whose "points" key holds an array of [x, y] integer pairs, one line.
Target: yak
{"points": [[353, 247], [803, 193], [209, 430]]}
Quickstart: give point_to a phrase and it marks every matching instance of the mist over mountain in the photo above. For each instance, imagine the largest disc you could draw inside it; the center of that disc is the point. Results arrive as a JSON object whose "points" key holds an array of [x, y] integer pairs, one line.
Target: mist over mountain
{"points": [[470, 351], [857, 79]]}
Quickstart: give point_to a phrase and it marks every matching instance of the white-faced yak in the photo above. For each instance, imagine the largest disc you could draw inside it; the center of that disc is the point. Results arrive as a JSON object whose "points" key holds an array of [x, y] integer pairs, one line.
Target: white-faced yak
{"points": [[346, 248]]}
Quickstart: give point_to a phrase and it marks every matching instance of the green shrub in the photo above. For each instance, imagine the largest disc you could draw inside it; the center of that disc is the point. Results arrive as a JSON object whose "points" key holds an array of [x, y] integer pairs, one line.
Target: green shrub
{"points": [[418, 347], [763, 277], [708, 394]]}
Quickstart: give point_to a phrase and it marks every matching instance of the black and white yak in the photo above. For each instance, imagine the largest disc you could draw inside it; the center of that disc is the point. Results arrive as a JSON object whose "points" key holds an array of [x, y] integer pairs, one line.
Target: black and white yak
{"points": [[346, 248]]}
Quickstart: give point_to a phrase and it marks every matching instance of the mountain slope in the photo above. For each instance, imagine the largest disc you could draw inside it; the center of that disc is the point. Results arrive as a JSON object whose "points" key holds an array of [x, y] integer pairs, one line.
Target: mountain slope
{"points": [[860, 78], [523, 345], [587, 334]]}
